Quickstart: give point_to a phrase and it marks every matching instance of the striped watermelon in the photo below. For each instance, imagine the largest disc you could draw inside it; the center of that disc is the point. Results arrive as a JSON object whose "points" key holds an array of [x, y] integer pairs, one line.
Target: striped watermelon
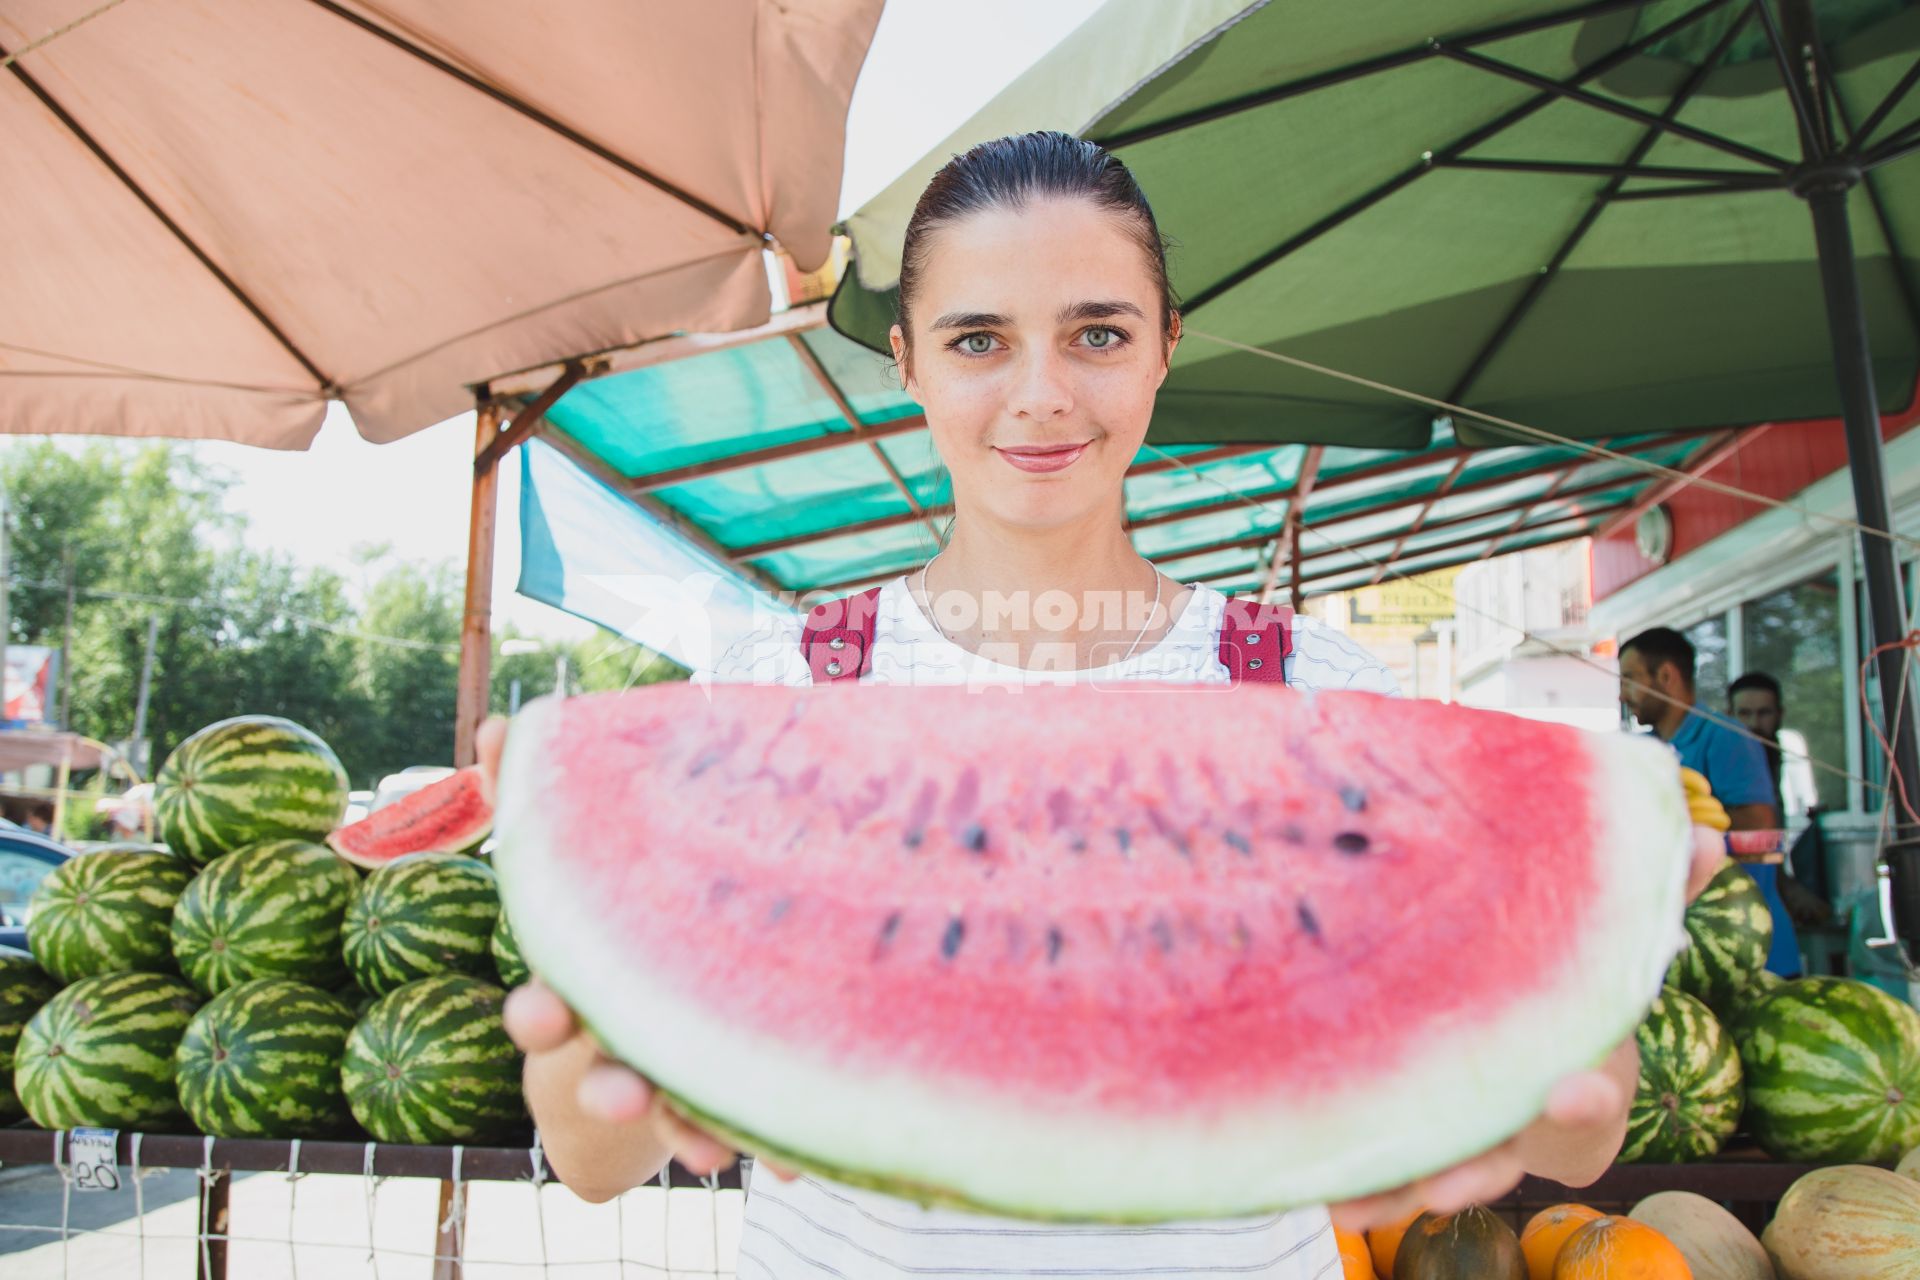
{"points": [[1729, 932], [425, 914], [245, 780], [24, 988], [105, 912], [431, 1063], [507, 960], [101, 1052], [262, 1060], [1833, 1072], [1688, 1101], [270, 910]]}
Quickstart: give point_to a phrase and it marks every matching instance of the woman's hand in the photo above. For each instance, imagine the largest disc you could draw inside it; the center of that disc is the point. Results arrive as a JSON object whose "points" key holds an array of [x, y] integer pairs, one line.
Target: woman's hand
{"points": [[1573, 1141], [613, 1117]]}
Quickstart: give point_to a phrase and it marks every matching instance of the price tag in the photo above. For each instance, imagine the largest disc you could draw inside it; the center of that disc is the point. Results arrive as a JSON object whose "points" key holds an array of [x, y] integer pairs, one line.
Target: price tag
{"points": [[92, 1154]]}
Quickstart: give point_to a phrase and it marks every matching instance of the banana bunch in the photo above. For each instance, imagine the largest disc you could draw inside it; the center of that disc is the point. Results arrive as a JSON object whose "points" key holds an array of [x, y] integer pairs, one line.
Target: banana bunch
{"points": [[1705, 810]]}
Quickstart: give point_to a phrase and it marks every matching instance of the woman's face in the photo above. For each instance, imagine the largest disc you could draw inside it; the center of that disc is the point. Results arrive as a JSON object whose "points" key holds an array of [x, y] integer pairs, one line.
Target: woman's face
{"points": [[1036, 353]]}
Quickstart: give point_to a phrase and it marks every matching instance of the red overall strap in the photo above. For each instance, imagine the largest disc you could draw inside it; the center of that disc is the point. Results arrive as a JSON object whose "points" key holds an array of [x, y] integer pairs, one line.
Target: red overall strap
{"points": [[1255, 640], [838, 637]]}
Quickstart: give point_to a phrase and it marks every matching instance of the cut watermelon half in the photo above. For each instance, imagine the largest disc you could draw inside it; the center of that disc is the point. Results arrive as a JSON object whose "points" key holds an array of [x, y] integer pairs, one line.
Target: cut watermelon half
{"points": [[450, 816], [1089, 953]]}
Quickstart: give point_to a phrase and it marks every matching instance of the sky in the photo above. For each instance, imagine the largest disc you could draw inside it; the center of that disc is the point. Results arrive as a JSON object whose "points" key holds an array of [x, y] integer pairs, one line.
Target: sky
{"points": [[932, 64]]}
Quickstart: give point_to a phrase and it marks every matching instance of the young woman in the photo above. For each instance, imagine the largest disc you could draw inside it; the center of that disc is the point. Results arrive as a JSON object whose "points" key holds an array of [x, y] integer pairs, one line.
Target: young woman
{"points": [[1035, 327]]}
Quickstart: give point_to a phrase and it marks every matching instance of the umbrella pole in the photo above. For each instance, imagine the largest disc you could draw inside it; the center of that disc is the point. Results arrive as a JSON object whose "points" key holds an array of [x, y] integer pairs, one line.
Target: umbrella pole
{"points": [[476, 640], [1886, 604]]}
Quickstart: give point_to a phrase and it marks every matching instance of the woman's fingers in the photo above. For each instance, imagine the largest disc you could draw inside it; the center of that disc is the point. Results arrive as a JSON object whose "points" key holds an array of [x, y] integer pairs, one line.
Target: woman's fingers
{"points": [[1477, 1181], [698, 1152], [611, 1092], [1709, 855], [1589, 1098], [489, 743], [1378, 1210], [537, 1020]]}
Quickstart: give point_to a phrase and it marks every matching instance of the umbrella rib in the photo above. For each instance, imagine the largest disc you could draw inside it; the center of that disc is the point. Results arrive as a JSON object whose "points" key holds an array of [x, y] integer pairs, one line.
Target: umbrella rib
{"points": [[1580, 168], [545, 121], [1803, 112], [1688, 189], [187, 242], [1901, 279], [1538, 285], [1369, 67], [1426, 164], [1663, 123], [1878, 116], [1898, 147]]}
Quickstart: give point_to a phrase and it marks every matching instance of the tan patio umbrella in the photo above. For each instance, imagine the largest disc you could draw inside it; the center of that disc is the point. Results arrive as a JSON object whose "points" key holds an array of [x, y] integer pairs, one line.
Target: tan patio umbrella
{"points": [[222, 213]]}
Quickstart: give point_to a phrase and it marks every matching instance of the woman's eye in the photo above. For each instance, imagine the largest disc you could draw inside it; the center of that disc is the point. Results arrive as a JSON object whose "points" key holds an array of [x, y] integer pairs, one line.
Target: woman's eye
{"points": [[977, 344], [1100, 337]]}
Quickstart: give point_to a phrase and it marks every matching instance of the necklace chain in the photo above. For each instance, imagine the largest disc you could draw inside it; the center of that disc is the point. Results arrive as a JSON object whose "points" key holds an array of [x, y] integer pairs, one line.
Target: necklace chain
{"points": [[933, 614]]}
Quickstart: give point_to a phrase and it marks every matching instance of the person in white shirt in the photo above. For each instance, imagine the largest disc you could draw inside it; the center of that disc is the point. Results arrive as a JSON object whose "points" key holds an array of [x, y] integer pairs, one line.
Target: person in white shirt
{"points": [[1035, 328]]}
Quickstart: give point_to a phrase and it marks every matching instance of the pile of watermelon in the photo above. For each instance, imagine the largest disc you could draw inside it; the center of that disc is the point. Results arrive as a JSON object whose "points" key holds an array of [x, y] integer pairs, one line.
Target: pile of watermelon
{"points": [[248, 980], [1818, 1069]]}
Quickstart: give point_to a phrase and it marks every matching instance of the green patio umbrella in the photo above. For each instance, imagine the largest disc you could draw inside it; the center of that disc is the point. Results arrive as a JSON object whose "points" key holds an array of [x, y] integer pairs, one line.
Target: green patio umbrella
{"points": [[1593, 219]]}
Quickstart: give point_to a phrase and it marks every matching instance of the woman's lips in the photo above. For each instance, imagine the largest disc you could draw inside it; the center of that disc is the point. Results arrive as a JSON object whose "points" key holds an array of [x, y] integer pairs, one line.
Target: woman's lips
{"points": [[1057, 458]]}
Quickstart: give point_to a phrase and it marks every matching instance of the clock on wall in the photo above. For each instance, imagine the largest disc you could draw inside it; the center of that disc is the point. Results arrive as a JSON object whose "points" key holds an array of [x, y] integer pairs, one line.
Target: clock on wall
{"points": [[1653, 534]]}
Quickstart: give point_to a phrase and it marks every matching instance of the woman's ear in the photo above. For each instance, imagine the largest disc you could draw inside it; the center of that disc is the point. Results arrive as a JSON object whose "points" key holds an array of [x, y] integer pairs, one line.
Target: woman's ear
{"points": [[1173, 340], [897, 339]]}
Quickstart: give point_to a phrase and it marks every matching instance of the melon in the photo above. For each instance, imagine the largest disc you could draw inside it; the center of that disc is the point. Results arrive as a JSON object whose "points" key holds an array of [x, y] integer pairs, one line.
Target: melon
{"points": [[1547, 1231], [1077, 933], [245, 780], [1688, 1099], [1729, 931], [1614, 1248], [451, 816], [1848, 1222], [1470, 1245], [1716, 1244], [1909, 1166]]}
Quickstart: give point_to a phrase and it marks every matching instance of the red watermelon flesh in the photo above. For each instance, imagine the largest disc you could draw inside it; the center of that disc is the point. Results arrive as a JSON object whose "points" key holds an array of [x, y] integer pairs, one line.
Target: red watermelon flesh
{"points": [[450, 816], [1079, 952]]}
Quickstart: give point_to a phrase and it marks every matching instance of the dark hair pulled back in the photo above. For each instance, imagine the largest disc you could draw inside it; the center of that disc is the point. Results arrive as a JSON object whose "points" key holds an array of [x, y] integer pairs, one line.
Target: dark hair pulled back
{"points": [[1008, 173]]}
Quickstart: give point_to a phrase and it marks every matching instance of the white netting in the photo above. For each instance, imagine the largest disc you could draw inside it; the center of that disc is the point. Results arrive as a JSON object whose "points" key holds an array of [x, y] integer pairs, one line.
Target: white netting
{"points": [[348, 1227]]}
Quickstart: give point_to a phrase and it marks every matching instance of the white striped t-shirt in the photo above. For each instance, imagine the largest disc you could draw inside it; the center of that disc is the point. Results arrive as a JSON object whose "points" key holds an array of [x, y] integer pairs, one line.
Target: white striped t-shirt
{"points": [[814, 1227]]}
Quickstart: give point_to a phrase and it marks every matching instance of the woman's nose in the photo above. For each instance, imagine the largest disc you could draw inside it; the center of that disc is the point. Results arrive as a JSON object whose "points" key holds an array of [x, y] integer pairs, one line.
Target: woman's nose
{"points": [[1041, 388]]}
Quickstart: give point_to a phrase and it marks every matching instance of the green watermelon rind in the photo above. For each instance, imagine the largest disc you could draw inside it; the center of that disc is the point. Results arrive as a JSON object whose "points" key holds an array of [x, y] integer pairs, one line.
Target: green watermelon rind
{"points": [[1688, 1100], [1825, 1060], [244, 780], [507, 960], [117, 1033], [430, 1062], [1729, 933], [270, 910], [25, 989], [420, 915], [986, 1154], [106, 912], [262, 1060]]}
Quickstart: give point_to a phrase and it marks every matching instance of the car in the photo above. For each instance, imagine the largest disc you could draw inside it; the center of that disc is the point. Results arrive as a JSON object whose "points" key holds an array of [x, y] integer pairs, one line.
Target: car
{"points": [[26, 858]]}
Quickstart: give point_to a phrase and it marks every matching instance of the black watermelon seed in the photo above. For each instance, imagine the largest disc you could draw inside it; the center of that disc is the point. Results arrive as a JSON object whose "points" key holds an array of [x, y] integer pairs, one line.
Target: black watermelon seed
{"points": [[1354, 798], [1162, 935], [1055, 941], [1125, 837], [778, 909], [1292, 833], [1351, 842], [1237, 841], [974, 838], [1308, 921], [913, 839], [950, 941], [1078, 844], [887, 929]]}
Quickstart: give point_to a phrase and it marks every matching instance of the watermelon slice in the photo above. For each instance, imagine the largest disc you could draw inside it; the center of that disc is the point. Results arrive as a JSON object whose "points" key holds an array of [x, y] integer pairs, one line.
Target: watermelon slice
{"points": [[450, 816], [1075, 952]]}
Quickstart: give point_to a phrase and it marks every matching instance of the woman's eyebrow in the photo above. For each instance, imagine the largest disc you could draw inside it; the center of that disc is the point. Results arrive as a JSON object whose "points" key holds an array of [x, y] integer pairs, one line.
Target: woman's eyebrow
{"points": [[1099, 310], [971, 320]]}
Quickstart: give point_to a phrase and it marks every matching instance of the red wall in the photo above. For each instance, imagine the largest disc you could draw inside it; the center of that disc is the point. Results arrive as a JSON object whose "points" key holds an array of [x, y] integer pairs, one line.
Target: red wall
{"points": [[1777, 461]]}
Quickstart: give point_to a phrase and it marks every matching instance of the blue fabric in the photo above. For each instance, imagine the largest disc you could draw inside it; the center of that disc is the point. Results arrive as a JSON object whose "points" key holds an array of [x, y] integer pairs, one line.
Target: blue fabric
{"points": [[1736, 767]]}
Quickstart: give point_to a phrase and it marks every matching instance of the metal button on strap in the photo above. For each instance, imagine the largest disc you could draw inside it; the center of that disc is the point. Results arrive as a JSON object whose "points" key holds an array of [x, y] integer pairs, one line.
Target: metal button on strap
{"points": [[833, 667], [1253, 664], [1253, 638], [838, 642]]}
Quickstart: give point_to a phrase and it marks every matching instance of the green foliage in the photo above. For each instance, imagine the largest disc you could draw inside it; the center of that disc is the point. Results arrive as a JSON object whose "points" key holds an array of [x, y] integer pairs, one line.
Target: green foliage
{"points": [[370, 666]]}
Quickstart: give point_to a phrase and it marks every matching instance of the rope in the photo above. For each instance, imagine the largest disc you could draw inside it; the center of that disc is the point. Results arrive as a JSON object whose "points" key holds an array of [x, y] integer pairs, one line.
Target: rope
{"points": [[1896, 784], [455, 1223], [373, 1207], [293, 1208], [538, 1155], [1548, 437], [1720, 718], [56, 33], [140, 1210], [208, 1177]]}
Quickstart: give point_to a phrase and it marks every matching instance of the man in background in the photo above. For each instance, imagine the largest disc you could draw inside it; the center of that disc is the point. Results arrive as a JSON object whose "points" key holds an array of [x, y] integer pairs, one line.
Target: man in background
{"points": [[1756, 702], [40, 817], [1656, 686]]}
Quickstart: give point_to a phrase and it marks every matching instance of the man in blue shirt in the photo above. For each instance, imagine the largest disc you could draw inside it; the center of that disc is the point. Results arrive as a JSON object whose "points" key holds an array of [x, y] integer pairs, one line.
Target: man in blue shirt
{"points": [[1656, 685]]}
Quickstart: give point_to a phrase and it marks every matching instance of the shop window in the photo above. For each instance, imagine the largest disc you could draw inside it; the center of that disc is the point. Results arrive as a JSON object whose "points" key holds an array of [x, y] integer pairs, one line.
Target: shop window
{"points": [[1709, 637], [1794, 636]]}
